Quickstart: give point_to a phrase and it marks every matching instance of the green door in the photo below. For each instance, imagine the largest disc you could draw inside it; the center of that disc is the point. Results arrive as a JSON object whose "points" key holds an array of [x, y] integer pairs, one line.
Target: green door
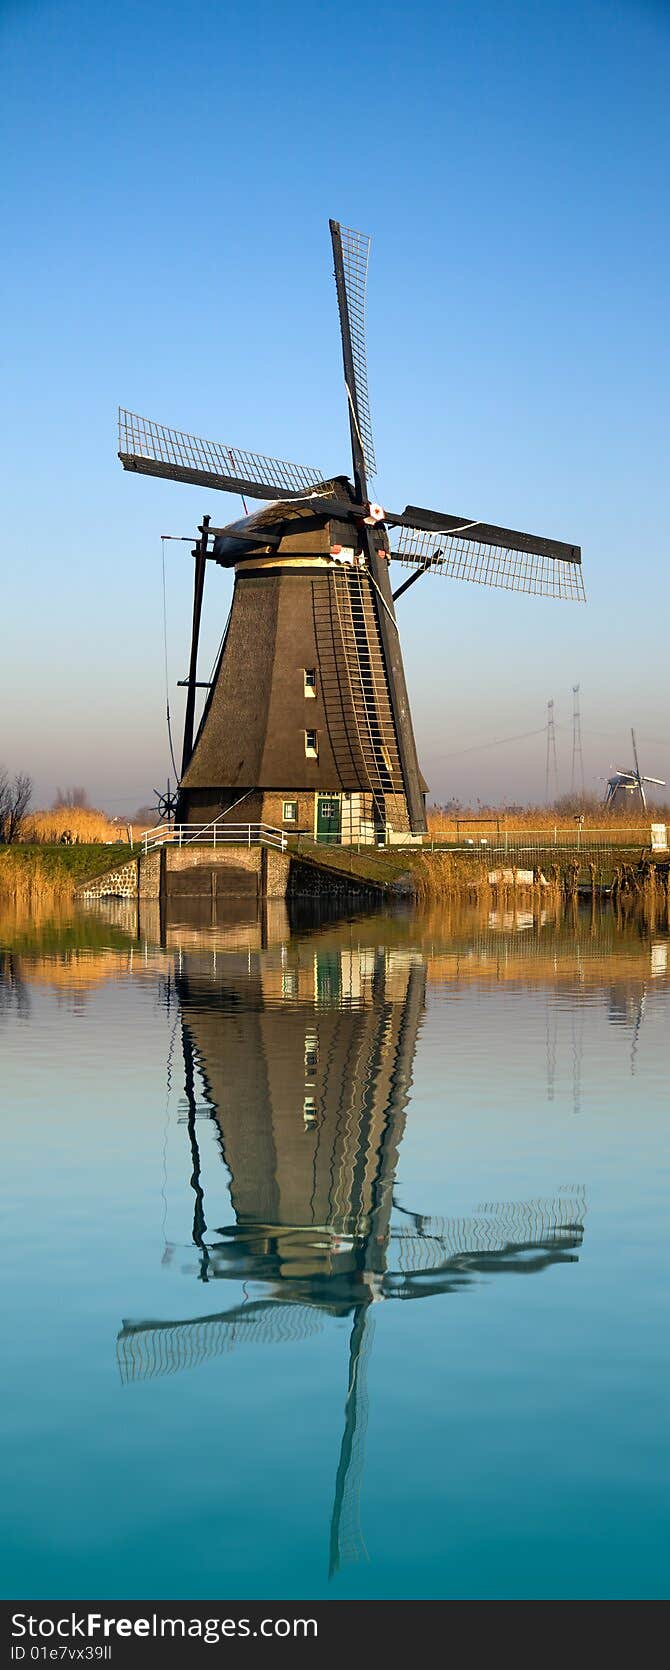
{"points": [[329, 978], [328, 818]]}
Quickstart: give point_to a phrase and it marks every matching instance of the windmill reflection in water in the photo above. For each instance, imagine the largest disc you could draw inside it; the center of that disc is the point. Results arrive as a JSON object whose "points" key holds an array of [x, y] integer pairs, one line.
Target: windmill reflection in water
{"points": [[305, 1067]]}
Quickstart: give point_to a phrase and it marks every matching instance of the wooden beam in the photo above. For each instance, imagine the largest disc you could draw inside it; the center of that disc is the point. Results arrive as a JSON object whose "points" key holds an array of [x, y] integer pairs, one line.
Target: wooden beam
{"points": [[485, 533], [206, 478], [358, 457]]}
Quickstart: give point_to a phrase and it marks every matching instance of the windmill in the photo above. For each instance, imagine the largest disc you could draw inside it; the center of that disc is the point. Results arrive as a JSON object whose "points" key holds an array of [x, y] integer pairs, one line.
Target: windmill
{"points": [[303, 1069], [306, 719], [624, 784]]}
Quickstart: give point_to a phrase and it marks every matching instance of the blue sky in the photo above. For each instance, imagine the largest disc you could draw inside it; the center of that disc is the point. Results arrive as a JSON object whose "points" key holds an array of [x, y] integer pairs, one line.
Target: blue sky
{"points": [[168, 176]]}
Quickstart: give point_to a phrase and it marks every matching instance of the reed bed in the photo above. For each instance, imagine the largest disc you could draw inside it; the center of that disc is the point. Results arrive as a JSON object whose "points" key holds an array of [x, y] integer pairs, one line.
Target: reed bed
{"points": [[80, 825], [30, 886], [62, 929], [643, 893], [486, 820], [46, 877], [438, 875]]}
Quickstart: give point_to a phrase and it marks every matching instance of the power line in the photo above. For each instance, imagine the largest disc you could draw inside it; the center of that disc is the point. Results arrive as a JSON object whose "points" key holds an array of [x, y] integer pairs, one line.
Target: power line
{"points": [[499, 742], [615, 736]]}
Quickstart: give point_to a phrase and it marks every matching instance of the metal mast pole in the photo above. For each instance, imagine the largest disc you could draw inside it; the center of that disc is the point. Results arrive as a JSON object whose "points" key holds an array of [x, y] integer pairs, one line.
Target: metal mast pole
{"points": [[577, 771], [200, 554], [552, 762]]}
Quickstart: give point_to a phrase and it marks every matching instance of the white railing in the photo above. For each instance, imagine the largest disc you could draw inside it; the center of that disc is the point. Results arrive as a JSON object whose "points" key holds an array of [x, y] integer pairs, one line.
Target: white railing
{"points": [[214, 835], [574, 837], [489, 836], [496, 842]]}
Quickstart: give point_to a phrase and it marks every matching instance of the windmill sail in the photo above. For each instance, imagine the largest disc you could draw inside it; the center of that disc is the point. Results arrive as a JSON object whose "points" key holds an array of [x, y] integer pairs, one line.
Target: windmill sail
{"points": [[153, 449], [488, 555], [146, 1350], [639, 779], [440, 1256], [351, 250], [347, 1545]]}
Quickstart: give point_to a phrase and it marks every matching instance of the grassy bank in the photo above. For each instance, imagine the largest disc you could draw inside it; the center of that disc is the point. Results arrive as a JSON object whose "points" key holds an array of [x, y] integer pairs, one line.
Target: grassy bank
{"points": [[399, 869], [49, 874], [46, 875], [430, 875]]}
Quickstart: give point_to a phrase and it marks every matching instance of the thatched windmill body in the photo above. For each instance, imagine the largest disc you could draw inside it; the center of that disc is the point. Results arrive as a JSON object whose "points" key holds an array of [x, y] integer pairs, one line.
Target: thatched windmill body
{"points": [[307, 721]]}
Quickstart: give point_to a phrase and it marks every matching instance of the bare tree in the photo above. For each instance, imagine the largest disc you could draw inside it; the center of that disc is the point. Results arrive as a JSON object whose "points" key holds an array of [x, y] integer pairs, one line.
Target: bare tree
{"points": [[75, 796], [14, 992], [15, 797]]}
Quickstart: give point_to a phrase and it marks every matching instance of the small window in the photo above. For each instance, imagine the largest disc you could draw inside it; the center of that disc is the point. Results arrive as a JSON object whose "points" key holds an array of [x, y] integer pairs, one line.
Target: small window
{"points": [[290, 812], [289, 982], [309, 1113], [310, 680], [311, 1053], [311, 745]]}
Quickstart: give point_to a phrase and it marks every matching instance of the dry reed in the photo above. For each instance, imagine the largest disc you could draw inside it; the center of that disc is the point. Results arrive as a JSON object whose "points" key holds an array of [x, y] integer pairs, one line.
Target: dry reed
{"points": [[83, 824], [32, 887], [485, 820], [50, 875], [439, 875]]}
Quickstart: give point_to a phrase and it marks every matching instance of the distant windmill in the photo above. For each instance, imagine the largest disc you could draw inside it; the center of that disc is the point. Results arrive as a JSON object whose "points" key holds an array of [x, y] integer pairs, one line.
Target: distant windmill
{"points": [[623, 783]]}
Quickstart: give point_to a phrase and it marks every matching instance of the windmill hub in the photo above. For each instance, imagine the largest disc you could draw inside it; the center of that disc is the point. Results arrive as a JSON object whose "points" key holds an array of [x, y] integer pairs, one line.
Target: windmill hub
{"points": [[307, 723], [297, 534]]}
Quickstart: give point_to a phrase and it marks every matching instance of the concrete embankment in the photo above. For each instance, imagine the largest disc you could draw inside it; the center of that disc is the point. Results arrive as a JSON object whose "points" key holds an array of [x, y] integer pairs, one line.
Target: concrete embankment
{"points": [[192, 872]]}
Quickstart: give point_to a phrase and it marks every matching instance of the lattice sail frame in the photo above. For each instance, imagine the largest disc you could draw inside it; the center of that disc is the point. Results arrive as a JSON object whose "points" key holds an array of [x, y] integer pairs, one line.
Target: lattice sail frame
{"points": [[499, 1227], [145, 442], [487, 564], [146, 1350], [355, 257]]}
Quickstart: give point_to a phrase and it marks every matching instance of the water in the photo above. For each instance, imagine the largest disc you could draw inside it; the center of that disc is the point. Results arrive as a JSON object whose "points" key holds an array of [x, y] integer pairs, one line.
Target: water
{"points": [[335, 1260]]}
